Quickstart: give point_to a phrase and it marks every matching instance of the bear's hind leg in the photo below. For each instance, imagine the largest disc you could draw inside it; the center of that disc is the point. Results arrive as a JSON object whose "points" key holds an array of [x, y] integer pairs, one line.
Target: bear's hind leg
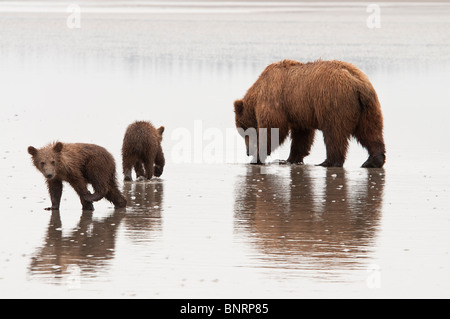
{"points": [[139, 168], [369, 133], [302, 141], [115, 196], [80, 186], [375, 161], [149, 169], [374, 144], [127, 165], [100, 186], [86, 205]]}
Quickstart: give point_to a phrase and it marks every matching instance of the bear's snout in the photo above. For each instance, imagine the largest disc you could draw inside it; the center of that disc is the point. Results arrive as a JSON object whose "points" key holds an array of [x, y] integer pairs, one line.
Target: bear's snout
{"points": [[49, 176]]}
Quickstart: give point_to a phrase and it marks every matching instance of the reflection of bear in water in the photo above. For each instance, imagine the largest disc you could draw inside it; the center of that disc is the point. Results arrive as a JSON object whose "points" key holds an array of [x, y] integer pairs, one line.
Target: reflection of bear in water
{"points": [[88, 246], [299, 98], [78, 164], [291, 217], [144, 215]]}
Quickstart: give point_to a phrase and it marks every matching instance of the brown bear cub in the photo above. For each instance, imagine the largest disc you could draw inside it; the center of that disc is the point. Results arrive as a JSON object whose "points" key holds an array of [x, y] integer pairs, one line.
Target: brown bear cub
{"points": [[78, 164], [332, 96], [142, 151]]}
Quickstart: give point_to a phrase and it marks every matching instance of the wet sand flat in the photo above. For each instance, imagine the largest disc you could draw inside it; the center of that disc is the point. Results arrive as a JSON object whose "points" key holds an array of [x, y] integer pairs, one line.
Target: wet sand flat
{"points": [[214, 226]]}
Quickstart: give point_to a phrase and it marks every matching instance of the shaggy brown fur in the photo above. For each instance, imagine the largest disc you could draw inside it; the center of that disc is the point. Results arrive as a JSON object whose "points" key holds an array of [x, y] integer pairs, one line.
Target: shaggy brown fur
{"points": [[142, 150], [332, 96], [78, 164]]}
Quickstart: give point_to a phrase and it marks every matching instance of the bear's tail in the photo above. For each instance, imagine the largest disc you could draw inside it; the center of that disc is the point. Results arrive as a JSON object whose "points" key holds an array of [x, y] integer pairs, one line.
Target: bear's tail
{"points": [[369, 131]]}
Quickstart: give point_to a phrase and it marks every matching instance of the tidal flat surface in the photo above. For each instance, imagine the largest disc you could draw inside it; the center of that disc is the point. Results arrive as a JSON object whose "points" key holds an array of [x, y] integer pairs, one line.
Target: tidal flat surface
{"points": [[213, 226]]}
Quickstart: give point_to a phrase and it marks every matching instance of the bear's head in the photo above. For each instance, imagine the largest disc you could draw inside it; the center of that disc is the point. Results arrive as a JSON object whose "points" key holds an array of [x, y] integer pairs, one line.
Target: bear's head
{"points": [[160, 131], [246, 125], [46, 159]]}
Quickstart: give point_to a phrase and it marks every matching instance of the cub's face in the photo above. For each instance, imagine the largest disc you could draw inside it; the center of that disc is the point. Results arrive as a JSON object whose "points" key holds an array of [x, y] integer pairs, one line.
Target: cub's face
{"points": [[46, 159]]}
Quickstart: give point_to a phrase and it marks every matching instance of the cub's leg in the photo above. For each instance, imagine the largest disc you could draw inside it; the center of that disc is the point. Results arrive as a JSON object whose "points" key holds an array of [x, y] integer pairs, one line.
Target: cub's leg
{"points": [[115, 196], [127, 165], [79, 184], [149, 168], [138, 167], [159, 163], [55, 188]]}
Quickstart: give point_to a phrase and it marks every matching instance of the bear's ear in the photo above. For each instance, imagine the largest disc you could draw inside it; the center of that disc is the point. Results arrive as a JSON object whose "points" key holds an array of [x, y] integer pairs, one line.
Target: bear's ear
{"points": [[58, 147], [238, 107], [32, 151], [161, 131]]}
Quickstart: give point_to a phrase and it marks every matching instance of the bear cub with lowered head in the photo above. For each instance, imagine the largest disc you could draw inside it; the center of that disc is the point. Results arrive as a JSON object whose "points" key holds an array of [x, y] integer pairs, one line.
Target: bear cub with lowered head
{"points": [[299, 98], [141, 150], [78, 164]]}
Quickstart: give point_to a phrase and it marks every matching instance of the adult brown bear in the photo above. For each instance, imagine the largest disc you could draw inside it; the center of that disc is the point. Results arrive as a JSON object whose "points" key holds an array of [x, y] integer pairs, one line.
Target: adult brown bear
{"points": [[332, 96], [78, 164]]}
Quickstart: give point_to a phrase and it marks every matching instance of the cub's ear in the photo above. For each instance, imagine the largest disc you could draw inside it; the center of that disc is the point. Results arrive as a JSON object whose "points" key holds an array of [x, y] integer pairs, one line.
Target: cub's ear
{"points": [[32, 151], [161, 131], [58, 147], [238, 107]]}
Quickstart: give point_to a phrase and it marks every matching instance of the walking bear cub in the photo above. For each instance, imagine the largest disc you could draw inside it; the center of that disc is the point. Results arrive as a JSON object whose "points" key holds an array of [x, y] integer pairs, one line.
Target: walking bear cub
{"points": [[78, 164], [332, 96], [142, 151]]}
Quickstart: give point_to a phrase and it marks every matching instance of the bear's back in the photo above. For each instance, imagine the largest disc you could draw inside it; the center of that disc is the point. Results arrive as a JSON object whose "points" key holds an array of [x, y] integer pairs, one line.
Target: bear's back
{"points": [[140, 138]]}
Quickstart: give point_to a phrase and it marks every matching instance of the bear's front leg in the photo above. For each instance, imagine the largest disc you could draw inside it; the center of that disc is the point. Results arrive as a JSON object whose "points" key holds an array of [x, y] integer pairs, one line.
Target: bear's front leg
{"points": [[264, 146], [302, 141], [336, 144], [271, 133], [159, 163], [55, 188]]}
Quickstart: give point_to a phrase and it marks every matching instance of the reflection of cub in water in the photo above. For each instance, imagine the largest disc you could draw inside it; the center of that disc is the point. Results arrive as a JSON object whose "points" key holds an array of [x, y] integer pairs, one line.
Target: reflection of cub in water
{"points": [[88, 247], [303, 211], [144, 212]]}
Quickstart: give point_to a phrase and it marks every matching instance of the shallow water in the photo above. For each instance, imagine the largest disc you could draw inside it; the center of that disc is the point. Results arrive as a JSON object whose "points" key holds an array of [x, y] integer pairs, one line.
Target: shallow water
{"points": [[213, 225]]}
